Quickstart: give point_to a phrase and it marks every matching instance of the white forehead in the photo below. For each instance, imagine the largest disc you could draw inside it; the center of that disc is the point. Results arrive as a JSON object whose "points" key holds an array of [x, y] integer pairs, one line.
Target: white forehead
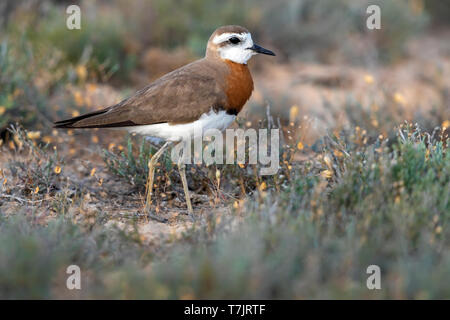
{"points": [[239, 53], [227, 35]]}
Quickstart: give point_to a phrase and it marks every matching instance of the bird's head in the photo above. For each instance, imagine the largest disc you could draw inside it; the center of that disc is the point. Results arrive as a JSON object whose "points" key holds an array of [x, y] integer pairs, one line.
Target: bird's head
{"points": [[234, 43]]}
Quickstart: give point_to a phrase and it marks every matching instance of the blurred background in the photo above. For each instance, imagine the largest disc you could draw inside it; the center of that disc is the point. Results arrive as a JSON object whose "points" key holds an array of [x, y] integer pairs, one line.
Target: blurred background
{"points": [[330, 70]]}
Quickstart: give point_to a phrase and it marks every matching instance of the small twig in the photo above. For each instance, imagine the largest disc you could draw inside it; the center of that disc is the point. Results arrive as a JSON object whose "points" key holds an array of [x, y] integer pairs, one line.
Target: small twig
{"points": [[157, 218], [401, 134], [21, 200], [337, 145]]}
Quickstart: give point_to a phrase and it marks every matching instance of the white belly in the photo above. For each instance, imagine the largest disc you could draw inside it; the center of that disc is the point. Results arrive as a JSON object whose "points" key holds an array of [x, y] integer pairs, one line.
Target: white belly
{"points": [[211, 120]]}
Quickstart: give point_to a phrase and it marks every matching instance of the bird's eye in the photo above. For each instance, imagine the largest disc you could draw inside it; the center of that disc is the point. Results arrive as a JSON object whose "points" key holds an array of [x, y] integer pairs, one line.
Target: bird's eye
{"points": [[234, 40]]}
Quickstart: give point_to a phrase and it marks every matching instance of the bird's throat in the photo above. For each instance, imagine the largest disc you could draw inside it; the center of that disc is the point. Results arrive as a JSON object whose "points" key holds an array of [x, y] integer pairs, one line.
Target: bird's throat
{"points": [[239, 86]]}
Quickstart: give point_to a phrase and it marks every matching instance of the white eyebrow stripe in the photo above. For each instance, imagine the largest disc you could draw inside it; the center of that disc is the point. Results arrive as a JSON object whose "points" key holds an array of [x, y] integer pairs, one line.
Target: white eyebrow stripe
{"points": [[226, 36]]}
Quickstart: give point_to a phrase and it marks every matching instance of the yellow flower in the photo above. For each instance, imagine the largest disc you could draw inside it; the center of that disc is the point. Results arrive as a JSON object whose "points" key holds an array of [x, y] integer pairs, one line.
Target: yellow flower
{"points": [[47, 139], [327, 174], [399, 98], [93, 172], [263, 186], [338, 153], [368, 78], [57, 170], [33, 135], [300, 146], [293, 113], [91, 87], [81, 72], [78, 98], [36, 190], [445, 124], [17, 141], [94, 139]]}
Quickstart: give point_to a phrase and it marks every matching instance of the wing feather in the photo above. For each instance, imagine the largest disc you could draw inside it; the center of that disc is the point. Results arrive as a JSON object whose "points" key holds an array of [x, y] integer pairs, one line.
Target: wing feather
{"points": [[180, 96]]}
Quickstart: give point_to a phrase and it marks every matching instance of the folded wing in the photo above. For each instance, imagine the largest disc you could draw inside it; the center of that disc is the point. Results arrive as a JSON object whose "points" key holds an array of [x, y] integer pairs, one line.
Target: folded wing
{"points": [[179, 97]]}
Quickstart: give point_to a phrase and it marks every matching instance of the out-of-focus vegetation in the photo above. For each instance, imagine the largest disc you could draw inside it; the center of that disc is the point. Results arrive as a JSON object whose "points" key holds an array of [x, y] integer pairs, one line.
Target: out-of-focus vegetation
{"points": [[26, 82], [295, 27], [439, 11], [115, 38]]}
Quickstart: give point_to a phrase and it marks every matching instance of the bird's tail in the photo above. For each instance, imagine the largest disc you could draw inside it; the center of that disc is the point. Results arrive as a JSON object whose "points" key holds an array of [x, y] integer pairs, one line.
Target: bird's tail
{"points": [[72, 122]]}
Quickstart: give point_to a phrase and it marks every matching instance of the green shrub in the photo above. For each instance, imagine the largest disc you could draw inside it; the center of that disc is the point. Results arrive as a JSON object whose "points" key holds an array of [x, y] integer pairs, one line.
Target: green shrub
{"points": [[101, 45], [20, 98], [132, 165], [39, 173]]}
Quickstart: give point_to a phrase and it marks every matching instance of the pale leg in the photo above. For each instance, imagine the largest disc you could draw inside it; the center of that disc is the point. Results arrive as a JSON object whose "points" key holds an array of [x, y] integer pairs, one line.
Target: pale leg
{"points": [[182, 169], [151, 174]]}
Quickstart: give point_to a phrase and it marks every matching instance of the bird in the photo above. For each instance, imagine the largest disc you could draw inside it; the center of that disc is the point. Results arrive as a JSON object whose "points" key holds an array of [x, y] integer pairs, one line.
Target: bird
{"points": [[209, 92]]}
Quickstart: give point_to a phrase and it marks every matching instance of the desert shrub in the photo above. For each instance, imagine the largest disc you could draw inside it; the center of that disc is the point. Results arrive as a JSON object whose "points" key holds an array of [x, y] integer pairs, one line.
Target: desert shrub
{"points": [[131, 165], [318, 236], [413, 175], [34, 257], [26, 82], [39, 173]]}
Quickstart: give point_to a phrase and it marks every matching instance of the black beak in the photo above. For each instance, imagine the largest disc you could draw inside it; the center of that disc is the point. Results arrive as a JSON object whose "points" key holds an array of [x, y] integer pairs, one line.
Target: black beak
{"points": [[259, 49]]}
